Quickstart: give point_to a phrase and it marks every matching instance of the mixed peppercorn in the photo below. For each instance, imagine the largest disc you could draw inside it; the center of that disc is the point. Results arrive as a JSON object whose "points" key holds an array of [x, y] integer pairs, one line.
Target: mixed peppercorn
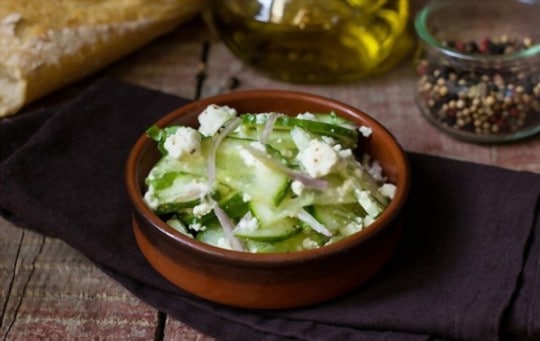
{"points": [[481, 99]]}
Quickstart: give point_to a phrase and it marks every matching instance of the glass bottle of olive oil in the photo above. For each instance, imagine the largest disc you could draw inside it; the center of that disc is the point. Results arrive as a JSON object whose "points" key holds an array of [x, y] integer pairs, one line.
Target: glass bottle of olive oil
{"points": [[315, 41]]}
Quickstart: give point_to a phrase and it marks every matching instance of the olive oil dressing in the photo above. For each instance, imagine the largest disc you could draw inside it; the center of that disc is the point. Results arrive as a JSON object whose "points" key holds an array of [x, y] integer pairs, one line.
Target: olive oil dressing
{"points": [[315, 41]]}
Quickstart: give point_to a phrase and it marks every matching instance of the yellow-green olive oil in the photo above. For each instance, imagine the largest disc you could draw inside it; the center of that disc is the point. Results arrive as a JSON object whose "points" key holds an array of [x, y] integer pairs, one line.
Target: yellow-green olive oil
{"points": [[315, 41]]}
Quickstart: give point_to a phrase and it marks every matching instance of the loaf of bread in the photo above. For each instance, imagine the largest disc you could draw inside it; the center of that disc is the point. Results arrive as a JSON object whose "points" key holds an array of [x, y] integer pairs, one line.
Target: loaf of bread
{"points": [[45, 45]]}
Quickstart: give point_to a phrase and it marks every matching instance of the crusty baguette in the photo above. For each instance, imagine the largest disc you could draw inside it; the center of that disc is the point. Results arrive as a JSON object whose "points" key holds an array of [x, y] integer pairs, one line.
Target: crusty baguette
{"points": [[45, 45]]}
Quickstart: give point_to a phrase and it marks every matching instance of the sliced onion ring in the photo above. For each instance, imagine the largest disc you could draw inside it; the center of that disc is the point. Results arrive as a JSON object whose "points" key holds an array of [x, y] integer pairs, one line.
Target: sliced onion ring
{"points": [[308, 219], [217, 139], [227, 225], [269, 126]]}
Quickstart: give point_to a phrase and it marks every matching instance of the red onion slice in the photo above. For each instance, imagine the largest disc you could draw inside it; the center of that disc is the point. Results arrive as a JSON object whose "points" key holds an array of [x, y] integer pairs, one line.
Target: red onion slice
{"points": [[269, 126], [308, 219], [217, 139], [228, 225]]}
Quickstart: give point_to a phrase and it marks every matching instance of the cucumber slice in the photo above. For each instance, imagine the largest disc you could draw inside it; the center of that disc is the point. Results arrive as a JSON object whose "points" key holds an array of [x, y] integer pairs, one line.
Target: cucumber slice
{"points": [[247, 175], [233, 204], [335, 217], [160, 135], [347, 137], [267, 213], [335, 119], [178, 226], [279, 140], [340, 190], [193, 164], [369, 204], [278, 230], [296, 242], [214, 235], [174, 191], [362, 180]]}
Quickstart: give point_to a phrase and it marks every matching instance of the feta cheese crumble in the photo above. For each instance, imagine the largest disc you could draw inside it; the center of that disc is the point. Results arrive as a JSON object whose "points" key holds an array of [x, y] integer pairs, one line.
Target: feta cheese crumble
{"points": [[345, 153], [185, 141], [202, 209], [214, 117], [318, 158], [248, 222], [365, 131], [388, 190], [353, 227], [328, 140], [297, 187], [368, 203], [196, 189], [309, 243], [306, 116], [300, 138], [197, 227], [150, 198]]}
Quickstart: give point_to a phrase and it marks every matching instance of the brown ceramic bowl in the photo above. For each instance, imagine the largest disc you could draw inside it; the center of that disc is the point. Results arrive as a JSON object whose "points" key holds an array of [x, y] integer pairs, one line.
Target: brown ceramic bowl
{"points": [[277, 280]]}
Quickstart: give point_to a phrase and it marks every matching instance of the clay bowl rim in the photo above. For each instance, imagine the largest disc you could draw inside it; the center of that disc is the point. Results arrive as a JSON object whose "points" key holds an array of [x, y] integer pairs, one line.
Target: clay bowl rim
{"points": [[268, 259]]}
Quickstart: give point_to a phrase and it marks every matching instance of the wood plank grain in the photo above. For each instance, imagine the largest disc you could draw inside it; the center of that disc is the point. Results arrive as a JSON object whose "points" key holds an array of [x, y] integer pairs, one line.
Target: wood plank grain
{"points": [[56, 293], [177, 330], [169, 64]]}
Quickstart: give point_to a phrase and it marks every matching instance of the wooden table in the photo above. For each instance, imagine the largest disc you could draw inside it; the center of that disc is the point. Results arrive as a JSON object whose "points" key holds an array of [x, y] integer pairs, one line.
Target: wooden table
{"points": [[50, 291]]}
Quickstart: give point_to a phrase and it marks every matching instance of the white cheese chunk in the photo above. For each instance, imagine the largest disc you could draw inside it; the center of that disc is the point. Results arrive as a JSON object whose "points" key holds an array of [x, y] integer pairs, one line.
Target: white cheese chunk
{"points": [[197, 227], [185, 141], [150, 198], [309, 243], [318, 158], [307, 116], [368, 203], [375, 170], [352, 227], [388, 190], [202, 209], [248, 223], [297, 187], [300, 137], [365, 131], [214, 117]]}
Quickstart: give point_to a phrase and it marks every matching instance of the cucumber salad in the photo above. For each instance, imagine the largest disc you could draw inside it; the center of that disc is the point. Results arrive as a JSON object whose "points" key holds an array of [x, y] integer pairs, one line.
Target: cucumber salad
{"points": [[265, 182]]}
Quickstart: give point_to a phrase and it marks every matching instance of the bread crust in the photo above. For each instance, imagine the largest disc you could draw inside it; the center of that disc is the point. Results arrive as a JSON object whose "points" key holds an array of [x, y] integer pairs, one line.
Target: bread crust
{"points": [[45, 45]]}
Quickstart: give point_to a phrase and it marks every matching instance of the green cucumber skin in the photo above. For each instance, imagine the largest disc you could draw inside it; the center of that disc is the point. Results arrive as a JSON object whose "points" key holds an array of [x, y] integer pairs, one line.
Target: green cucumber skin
{"points": [[295, 242], [275, 232], [348, 137], [211, 235], [258, 181]]}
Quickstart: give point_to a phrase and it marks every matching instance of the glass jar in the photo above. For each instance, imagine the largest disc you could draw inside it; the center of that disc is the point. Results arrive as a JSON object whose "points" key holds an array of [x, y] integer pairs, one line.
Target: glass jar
{"points": [[315, 41], [479, 71]]}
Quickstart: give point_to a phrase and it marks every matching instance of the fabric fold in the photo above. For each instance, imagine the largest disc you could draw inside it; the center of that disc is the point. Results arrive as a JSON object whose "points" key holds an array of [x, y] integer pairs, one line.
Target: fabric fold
{"points": [[467, 267]]}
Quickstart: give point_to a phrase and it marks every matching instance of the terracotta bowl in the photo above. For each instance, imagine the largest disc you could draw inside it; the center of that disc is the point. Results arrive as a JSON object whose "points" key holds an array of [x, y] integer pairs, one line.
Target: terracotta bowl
{"points": [[277, 280]]}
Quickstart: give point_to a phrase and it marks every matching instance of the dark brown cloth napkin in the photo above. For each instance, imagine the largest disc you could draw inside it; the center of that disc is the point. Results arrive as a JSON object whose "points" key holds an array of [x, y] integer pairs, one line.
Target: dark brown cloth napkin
{"points": [[467, 268]]}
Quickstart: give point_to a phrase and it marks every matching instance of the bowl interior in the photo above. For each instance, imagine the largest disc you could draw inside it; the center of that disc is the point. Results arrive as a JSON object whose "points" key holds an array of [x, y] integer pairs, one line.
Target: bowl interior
{"points": [[381, 146]]}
